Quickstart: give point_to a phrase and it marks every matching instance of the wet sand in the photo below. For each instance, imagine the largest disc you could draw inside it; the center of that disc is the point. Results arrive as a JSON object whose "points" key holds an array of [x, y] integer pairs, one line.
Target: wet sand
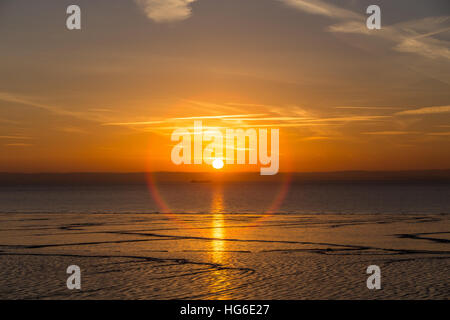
{"points": [[224, 256]]}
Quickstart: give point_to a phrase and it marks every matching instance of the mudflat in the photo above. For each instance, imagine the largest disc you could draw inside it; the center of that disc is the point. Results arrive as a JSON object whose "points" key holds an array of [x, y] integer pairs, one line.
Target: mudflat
{"points": [[224, 256]]}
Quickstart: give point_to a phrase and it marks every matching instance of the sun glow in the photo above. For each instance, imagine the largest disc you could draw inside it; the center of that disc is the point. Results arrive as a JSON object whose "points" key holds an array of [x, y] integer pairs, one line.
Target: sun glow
{"points": [[217, 163]]}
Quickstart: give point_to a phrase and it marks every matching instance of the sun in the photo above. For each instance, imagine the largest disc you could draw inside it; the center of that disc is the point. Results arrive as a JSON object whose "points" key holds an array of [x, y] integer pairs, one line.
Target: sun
{"points": [[217, 163]]}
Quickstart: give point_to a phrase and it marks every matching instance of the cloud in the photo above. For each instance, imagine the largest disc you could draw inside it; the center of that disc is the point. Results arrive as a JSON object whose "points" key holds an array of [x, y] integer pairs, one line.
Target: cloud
{"points": [[431, 48], [369, 108], [222, 117], [8, 121], [169, 120], [316, 138], [350, 27], [134, 123], [411, 37], [249, 105], [269, 119], [16, 137], [23, 100], [427, 110], [166, 10], [414, 36], [8, 97], [354, 118], [234, 115], [322, 8], [18, 145], [425, 27], [439, 134], [390, 133], [72, 129]]}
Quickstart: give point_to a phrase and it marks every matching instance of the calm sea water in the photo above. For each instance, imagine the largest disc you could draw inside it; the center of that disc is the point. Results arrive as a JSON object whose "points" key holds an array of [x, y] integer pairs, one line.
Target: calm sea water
{"points": [[230, 198]]}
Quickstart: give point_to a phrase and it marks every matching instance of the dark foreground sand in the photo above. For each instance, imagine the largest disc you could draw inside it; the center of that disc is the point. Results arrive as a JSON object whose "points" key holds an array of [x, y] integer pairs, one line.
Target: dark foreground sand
{"points": [[224, 256]]}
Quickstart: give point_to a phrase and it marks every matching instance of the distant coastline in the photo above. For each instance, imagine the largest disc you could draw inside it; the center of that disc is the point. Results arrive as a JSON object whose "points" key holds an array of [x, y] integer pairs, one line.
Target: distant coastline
{"points": [[89, 178]]}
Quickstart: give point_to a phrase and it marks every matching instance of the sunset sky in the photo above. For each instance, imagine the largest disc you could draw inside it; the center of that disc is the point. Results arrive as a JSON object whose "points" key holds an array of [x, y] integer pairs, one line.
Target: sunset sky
{"points": [[108, 97]]}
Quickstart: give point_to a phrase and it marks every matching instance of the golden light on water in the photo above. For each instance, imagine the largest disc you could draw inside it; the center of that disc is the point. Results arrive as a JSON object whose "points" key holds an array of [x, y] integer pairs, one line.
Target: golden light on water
{"points": [[220, 281], [217, 232]]}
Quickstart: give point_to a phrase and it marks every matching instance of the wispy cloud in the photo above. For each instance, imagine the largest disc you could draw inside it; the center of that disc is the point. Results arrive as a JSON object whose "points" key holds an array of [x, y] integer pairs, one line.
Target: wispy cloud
{"points": [[249, 104], [134, 123], [322, 8], [350, 27], [166, 10], [16, 137], [8, 121], [222, 117], [269, 119], [368, 108], [353, 118], [439, 133], [411, 36], [431, 48], [8, 97], [391, 133], [288, 125], [72, 129], [31, 102], [427, 110], [316, 138], [298, 122], [214, 107], [18, 145], [169, 120]]}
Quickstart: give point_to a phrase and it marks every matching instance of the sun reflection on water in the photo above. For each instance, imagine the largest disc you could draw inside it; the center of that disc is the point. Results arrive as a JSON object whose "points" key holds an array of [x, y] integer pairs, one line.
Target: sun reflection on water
{"points": [[220, 280]]}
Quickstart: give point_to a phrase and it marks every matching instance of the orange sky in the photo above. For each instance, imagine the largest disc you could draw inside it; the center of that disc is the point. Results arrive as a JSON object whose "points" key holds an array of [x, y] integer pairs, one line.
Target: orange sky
{"points": [[108, 97]]}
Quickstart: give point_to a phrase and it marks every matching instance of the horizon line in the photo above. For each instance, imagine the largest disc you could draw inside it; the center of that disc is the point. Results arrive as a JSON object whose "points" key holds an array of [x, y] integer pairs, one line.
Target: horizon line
{"points": [[216, 172]]}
